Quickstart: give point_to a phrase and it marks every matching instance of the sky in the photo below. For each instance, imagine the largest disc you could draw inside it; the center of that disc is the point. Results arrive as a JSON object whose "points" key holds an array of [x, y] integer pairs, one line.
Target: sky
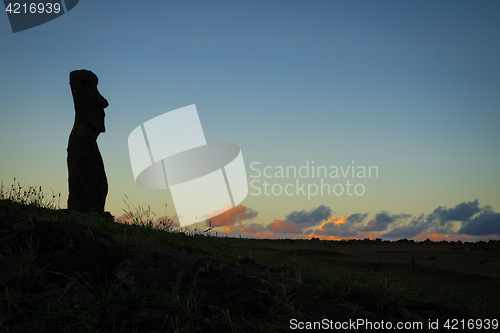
{"points": [[406, 89]]}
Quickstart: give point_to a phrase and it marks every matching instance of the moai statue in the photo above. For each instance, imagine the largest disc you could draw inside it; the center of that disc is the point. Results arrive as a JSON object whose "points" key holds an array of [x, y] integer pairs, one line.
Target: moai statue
{"points": [[88, 185]]}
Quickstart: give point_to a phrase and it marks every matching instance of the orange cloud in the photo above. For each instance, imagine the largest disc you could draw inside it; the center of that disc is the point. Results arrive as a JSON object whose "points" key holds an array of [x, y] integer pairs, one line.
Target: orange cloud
{"points": [[285, 227], [232, 216], [229, 229], [334, 220]]}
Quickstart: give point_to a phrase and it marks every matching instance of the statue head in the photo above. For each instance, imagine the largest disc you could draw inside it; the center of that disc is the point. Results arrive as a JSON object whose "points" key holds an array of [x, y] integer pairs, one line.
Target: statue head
{"points": [[89, 103]]}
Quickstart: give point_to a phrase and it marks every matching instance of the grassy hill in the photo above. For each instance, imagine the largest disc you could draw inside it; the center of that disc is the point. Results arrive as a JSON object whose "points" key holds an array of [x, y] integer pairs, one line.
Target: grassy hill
{"points": [[63, 271]]}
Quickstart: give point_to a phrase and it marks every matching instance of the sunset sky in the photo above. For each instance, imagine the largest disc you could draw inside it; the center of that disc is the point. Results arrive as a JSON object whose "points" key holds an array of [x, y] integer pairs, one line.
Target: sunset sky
{"points": [[409, 88]]}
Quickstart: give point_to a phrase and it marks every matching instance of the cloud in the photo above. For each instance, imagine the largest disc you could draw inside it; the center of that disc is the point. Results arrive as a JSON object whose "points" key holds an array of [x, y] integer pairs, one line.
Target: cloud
{"points": [[442, 223], [382, 221], [465, 221], [409, 231], [234, 215], [348, 227], [339, 230], [310, 218], [284, 227], [414, 228], [296, 222], [357, 218], [486, 223], [461, 212]]}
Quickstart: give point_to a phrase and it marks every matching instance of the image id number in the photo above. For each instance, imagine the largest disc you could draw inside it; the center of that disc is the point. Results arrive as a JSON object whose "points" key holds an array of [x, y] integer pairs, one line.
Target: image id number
{"points": [[33, 8]]}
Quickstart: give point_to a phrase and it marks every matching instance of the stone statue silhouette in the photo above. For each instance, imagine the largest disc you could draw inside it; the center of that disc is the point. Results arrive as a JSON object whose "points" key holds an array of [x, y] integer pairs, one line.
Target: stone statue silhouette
{"points": [[88, 185]]}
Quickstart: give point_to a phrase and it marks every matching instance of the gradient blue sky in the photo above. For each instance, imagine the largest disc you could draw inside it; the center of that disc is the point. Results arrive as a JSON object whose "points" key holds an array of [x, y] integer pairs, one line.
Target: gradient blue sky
{"points": [[411, 87]]}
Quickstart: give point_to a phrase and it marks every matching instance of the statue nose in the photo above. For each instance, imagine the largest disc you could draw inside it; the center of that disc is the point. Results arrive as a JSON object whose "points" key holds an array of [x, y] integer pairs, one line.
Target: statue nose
{"points": [[103, 102]]}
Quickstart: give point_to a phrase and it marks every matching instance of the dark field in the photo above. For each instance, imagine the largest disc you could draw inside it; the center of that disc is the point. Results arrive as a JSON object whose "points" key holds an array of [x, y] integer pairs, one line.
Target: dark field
{"points": [[466, 276], [478, 259]]}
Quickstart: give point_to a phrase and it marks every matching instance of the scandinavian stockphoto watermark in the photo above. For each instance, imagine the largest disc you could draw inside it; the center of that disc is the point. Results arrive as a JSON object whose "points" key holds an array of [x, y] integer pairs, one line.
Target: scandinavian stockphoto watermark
{"points": [[28, 14], [310, 179], [205, 180]]}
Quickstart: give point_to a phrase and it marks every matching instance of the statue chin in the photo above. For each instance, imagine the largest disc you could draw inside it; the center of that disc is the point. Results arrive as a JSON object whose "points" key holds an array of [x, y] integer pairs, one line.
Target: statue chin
{"points": [[85, 131]]}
